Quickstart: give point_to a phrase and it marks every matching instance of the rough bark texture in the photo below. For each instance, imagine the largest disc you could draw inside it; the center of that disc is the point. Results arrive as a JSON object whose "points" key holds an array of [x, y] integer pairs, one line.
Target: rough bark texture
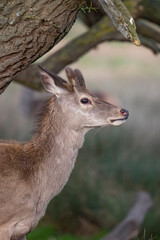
{"points": [[28, 29], [100, 32], [101, 29]]}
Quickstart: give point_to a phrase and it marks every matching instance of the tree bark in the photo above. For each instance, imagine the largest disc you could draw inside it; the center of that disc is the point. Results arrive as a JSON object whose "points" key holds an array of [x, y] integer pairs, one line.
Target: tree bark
{"points": [[101, 31], [28, 29]]}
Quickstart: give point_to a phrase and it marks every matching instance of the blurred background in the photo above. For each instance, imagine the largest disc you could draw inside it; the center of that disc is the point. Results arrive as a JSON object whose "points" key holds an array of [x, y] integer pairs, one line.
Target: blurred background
{"points": [[114, 163]]}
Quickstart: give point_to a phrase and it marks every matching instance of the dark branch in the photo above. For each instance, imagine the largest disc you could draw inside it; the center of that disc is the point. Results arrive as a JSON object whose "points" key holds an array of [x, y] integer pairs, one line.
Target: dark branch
{"points": [[148, 29], [98, 33], [150, 43]]}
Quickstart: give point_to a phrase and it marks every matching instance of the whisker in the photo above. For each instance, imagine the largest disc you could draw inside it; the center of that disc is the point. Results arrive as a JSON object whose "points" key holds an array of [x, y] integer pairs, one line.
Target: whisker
{"points": [[97, 130]]}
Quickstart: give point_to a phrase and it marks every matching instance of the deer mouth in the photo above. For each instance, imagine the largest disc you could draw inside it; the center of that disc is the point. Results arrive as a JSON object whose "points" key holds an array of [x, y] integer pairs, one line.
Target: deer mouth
{"points": [[116, 121]]}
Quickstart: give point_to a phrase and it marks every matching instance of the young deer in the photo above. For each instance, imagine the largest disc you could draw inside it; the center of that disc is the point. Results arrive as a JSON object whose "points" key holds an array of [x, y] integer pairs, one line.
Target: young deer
{"points": [[32, 173]]}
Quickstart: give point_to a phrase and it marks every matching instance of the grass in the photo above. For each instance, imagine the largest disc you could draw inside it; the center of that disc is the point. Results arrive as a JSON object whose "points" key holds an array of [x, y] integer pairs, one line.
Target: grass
{"points": [[42, 233], [46, 232]]}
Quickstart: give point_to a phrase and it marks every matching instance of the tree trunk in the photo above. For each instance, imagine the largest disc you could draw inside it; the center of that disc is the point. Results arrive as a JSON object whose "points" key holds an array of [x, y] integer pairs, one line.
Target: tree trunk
{"points": [[28, 29]]}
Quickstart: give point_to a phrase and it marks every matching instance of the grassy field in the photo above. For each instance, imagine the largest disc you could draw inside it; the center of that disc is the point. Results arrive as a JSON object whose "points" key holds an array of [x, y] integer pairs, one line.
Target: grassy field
{"points": [[114, 163], [46, 232]]}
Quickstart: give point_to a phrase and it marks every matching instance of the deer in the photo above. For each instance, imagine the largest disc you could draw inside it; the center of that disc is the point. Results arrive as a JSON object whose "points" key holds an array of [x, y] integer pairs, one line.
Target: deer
{"points": [[34, 172]]}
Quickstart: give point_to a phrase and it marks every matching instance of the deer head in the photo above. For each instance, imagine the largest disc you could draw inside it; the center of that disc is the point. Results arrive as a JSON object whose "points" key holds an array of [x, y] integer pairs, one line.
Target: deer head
{"points": [[41, 167], [82, 109]]}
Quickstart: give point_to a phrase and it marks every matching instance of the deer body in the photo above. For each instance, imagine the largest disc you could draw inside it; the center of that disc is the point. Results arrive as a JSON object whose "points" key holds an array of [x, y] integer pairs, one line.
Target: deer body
{"points": [[32, 173]]}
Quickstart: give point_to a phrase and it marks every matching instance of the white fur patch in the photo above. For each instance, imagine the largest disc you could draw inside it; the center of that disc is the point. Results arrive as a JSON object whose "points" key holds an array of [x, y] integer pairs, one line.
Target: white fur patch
{"points": [[118, 123]]}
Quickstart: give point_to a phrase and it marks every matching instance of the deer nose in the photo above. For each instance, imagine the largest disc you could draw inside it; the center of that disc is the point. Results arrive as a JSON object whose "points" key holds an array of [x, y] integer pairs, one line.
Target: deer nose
{"points": [[125, 113]]}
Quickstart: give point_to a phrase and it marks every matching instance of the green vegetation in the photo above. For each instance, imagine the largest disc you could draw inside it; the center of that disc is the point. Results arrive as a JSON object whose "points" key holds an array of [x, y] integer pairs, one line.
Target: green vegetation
{"points": [[88, 9], [44, 232]]}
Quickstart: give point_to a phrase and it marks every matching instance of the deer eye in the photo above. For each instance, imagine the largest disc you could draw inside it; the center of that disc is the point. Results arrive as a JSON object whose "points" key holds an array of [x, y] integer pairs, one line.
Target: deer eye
{"points": [[85, 101]]}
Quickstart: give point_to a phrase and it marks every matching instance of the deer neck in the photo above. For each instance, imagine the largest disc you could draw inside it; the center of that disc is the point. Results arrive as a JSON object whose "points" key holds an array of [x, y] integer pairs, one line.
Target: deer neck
{"points": [[52, 153], [55, 146], [53, 134]]}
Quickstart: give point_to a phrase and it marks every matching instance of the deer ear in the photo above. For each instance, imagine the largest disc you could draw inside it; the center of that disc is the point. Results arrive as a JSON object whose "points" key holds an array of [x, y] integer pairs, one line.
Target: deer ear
{"points": [[51, 82]]}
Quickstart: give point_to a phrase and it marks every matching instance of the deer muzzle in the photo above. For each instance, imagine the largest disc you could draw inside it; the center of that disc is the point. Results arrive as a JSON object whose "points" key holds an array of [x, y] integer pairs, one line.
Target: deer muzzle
{"points": [[117, 121]]}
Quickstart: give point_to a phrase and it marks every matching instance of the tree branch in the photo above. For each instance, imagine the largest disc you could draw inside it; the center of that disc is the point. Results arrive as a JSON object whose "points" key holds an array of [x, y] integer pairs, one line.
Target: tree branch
{"points": [[100, 32], [121, 18], [150, 43], [130, 226], [28, 29], [148, 29]]}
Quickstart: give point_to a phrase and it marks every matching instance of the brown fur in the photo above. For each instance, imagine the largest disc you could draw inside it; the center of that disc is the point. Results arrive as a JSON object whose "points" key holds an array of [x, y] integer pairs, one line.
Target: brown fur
{"points": [[32, 173]]}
